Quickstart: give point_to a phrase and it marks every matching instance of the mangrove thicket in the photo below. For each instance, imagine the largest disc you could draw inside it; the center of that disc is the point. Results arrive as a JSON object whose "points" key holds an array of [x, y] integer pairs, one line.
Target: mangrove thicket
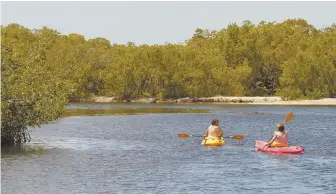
{"points": [[42, 69]]}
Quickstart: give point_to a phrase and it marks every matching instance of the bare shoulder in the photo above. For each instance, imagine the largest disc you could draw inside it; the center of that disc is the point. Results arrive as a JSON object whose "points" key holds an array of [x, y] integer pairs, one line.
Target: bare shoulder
{"points": [[277, 133]]}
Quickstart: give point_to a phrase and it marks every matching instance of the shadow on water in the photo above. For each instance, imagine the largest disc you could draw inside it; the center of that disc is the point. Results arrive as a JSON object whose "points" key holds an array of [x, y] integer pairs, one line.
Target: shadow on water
{"points": [[128, 111], [22, 150]]}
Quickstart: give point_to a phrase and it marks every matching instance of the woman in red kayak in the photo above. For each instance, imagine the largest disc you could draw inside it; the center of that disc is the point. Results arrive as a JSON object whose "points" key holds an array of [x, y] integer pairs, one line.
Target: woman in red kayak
{"points": [[214, 130], [280, 137]]}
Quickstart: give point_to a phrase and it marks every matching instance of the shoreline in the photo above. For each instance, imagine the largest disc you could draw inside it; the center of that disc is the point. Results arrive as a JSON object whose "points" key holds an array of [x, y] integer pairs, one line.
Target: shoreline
{"points": [[256, 100]]}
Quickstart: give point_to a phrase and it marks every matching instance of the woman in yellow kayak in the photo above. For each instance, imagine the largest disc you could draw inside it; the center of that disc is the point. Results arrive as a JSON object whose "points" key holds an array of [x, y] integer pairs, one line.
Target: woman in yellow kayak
{"points": [[214, 130], [280, 137]]}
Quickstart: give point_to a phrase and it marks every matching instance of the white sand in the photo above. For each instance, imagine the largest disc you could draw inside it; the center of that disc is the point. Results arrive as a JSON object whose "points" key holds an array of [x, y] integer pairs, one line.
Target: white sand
{"points": [[273, 101], [323, 101], [258, 100]]}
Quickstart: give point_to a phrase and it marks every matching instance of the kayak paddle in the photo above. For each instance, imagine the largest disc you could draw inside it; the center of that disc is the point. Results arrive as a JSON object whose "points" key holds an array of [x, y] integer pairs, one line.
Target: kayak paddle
{"points": [[239, 137], [288, 118], [185, 135]]}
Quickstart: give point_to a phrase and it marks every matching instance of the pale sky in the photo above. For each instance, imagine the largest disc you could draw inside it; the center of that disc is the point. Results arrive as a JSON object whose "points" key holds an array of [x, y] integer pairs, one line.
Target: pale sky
{"points": [[157, 22]]}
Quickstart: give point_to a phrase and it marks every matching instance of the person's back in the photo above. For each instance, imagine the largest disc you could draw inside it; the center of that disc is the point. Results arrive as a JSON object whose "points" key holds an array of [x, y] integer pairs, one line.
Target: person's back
{"points": [[214, 130], [280, 137]]}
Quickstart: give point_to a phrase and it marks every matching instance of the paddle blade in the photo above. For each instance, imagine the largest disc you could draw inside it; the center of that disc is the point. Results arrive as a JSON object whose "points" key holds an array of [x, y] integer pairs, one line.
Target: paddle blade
{"points": [[289, 117], [239, 137], [183, 135]]}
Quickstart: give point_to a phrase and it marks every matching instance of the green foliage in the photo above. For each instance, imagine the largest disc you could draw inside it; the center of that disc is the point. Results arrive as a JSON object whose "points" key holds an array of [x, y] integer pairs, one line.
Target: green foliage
{"points": [[34, 89], [42, 69], [307, 76]]}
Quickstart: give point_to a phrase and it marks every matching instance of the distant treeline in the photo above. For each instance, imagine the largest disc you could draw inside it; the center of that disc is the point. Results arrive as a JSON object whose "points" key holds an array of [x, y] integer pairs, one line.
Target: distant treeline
{"points": [[42, 69]]}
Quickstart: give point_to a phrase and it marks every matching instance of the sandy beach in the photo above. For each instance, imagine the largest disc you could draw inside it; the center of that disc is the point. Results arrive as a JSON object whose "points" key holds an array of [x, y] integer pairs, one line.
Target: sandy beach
{"points": [[323, 101], [257, 100], [274, 101]]}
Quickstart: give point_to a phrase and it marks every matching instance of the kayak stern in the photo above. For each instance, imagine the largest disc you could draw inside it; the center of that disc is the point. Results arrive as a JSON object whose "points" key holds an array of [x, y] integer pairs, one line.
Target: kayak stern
{"points": [[213, 141], [278, 150]]}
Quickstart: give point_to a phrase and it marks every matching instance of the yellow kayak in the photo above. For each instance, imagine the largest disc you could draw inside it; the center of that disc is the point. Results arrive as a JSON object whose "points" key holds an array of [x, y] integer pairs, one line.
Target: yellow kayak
{"points": [[213, 141]]}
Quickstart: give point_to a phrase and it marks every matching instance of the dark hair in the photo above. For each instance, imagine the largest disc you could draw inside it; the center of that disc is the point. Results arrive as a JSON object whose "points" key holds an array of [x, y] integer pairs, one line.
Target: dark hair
{"points": [[281, 127], [214, 121]]}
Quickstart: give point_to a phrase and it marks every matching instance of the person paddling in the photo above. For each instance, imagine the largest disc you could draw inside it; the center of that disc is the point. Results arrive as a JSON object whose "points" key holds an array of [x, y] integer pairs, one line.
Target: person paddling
{"points": [[280, 137], [214, 130]]}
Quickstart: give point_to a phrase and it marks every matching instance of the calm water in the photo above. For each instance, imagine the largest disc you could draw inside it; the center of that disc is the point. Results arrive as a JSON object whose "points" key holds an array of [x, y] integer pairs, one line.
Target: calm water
{"points": [[142, 154]]}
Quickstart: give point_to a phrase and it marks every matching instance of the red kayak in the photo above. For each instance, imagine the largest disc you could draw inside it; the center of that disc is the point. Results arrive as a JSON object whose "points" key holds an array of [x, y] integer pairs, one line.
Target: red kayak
{"points": [[279, 150]]}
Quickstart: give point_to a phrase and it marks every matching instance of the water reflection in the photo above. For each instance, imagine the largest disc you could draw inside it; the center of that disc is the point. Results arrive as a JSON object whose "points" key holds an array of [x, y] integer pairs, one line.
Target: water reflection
{"points": [[27, 149]]}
